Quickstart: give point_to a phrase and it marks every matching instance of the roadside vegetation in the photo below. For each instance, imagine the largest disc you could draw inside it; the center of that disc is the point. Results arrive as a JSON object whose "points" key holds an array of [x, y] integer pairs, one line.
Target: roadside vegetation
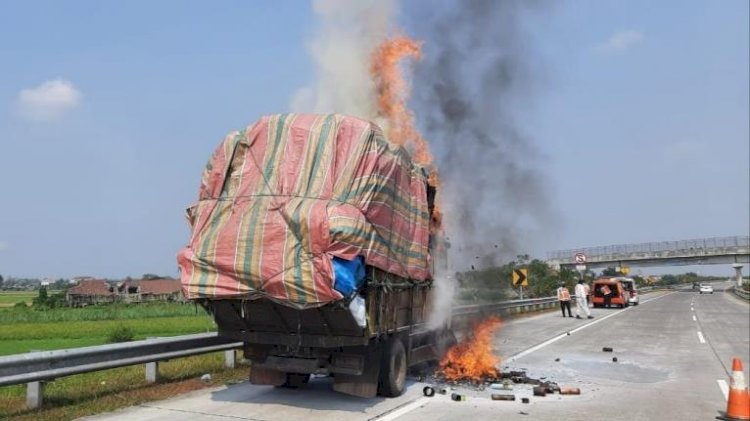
{"points": [[12, 298], [493, 283], [24, 329]]}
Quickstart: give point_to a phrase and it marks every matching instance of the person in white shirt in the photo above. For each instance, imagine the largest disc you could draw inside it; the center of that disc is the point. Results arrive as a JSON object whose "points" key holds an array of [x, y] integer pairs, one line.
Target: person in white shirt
{"points": [[581, 305]]}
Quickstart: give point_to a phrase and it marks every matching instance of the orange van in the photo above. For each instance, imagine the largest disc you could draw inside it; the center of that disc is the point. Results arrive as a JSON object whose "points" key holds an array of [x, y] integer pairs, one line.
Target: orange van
{"points": [[607, 292]]}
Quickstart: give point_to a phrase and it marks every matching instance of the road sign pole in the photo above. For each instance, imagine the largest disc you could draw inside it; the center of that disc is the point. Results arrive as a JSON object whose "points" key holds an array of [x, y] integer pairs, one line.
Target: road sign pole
{"points": [[520, 292], [581, 269]]}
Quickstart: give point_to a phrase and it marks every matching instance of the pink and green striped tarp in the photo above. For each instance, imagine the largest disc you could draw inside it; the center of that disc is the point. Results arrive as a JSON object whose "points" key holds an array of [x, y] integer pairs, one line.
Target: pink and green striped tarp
{"points": [[279, 199]]}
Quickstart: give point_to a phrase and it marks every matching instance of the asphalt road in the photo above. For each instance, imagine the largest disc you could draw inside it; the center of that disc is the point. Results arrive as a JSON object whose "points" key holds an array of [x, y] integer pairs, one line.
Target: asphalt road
{"points": [[665, 370]]}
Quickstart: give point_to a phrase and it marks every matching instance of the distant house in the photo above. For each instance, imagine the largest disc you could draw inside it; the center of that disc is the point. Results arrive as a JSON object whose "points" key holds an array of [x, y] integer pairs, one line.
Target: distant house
{"points": [[161, 290], [144, 290], [89, 291]]}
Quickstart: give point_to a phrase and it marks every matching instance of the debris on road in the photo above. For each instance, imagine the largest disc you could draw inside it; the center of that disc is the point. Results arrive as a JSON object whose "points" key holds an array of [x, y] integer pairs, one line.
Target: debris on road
{"points": [[557, 360], [505, 385], [614, 359], [206, 378], [458, 397], [428, 391], [500, 382], [607, 349]]}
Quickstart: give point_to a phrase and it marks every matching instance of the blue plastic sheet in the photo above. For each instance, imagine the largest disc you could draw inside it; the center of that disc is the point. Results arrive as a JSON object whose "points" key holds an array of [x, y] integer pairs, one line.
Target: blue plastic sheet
{"points": [[349, 275]]}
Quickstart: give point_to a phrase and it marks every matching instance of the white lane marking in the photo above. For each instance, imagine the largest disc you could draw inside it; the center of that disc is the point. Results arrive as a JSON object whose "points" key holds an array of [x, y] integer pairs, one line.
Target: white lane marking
{"points": [[701, 338], [724, 388], [694, 319], [562, 335], [403, 410], [692, 309]]}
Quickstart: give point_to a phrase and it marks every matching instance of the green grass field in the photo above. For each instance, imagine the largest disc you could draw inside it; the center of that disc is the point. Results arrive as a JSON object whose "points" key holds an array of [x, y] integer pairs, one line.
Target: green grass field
{"points": [[10, 298], [24, 330]]}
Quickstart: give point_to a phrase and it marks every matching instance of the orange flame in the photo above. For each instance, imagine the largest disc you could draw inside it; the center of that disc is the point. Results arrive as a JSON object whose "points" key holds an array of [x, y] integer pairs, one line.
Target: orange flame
{"points": [[472, 359], [393, 93]]}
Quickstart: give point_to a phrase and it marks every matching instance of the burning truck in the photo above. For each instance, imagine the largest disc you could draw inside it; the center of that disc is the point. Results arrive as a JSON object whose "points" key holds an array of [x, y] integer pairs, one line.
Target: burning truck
{"points": [[314, 241]]}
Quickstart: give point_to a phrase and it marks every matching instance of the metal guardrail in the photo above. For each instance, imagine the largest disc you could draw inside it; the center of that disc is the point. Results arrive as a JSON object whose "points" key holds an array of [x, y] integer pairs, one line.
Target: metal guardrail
{"points": [[34, 368], [738, 291], [49, 365], [655, 247], [503, 307]]}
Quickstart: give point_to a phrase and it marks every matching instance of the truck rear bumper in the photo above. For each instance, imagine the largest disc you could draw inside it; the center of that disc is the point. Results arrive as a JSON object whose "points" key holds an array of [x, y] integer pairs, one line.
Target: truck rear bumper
{"points": [[340, 363]]}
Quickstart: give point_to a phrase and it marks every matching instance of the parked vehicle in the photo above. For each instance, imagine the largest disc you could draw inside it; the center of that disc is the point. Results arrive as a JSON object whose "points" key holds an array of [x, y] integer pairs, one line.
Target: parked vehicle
{"points": [[313, 242], [608, 292], [630, 287], [707, 289]]}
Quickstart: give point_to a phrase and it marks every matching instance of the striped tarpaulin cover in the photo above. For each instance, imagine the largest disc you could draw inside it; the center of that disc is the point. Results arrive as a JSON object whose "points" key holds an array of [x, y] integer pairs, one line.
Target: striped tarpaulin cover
{"points": [[278, 200]]}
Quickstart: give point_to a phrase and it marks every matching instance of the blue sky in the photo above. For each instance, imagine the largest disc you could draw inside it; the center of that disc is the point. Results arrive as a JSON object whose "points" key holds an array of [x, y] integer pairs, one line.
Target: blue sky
{"points": [[108, 112]]}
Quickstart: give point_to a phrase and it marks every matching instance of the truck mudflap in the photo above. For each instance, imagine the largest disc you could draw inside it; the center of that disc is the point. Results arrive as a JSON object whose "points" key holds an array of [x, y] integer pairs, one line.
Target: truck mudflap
{"points": [[364, 385]]}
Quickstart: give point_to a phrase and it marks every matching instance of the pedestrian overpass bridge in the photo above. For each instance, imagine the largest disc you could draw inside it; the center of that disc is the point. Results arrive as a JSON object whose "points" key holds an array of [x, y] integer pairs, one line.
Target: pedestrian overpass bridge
{"points": [[705, 251]]}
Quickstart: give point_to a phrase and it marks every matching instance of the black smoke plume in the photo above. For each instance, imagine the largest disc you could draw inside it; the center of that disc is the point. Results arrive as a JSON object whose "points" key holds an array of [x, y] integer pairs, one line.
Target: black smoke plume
{"points": [[472, 89]]}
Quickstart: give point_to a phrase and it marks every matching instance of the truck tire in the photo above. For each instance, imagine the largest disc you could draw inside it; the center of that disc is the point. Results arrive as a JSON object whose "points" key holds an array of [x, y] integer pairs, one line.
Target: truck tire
{"points": [[393, 367]]}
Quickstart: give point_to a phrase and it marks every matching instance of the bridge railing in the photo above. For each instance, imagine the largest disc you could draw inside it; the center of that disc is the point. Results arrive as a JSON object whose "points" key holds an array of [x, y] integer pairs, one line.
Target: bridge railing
{"points": [[655, 247]]}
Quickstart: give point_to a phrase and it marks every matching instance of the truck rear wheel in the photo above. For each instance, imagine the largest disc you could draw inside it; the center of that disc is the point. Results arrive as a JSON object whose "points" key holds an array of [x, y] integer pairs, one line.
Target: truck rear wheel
{"points": [[393, 367]]}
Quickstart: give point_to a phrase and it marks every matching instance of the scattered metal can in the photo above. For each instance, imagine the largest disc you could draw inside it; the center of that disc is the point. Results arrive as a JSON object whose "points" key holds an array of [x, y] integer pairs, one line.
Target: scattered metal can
{"points": [[502, 397], [442, 391], [540, 391], [428, 391], [614, 359], [570, 391], [607, 349], [457, 397], [524, 400]]}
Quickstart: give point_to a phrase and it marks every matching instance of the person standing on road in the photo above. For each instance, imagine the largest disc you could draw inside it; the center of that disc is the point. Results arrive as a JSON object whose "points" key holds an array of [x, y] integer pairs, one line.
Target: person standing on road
{"points": [[588, 294], [607, 293], [581, 306], [563, 295]]}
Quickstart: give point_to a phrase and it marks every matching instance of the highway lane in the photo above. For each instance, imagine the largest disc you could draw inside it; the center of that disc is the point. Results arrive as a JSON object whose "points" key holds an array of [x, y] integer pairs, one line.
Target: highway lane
{"points": [[722, 318], [663, 372]]}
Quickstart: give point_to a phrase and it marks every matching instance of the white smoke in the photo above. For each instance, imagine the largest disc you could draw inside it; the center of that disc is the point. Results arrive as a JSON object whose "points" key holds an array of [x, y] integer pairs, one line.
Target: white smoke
{"points": [[347, 33]]}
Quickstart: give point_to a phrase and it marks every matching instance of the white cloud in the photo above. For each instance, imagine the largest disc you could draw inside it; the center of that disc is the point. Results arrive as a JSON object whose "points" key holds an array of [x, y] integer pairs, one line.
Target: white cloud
{"points": [[49, 100], [621, 41]]}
